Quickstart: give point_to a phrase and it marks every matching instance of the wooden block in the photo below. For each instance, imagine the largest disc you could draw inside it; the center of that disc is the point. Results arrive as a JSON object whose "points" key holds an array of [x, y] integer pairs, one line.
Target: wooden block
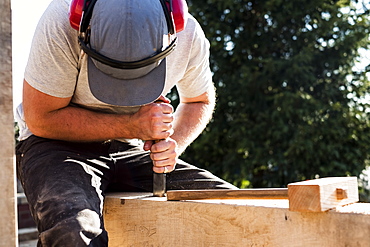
{"points": [[322, 194], [178, 195]]}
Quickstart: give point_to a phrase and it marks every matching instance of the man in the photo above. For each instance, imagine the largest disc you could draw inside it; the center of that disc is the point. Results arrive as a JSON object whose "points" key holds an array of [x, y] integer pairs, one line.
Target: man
{"points": [[84, 113]]}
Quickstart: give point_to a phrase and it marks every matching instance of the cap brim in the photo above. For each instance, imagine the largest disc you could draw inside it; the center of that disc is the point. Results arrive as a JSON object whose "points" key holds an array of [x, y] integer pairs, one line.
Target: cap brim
{"points": [[132, 92]]}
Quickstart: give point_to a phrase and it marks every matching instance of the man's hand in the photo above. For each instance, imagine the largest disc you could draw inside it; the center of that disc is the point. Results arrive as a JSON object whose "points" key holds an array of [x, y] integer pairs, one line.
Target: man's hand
{"points": [[163, 154], [153, 121], [163, 150]]}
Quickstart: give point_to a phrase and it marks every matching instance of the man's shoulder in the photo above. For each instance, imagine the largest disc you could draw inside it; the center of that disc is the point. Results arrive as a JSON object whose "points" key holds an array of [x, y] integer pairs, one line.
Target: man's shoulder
{"points": [[54, 23], [191, 24], [193, 32]]}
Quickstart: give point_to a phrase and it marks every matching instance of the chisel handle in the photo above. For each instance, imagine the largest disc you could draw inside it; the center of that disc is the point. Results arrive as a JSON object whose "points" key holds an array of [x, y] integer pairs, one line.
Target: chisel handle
{"points": [[159, 183]]}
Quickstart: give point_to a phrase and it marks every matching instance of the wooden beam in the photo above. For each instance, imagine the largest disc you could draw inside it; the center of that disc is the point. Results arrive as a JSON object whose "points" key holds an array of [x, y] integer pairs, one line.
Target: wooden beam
{"points": [[8, 228], [137, 219], [322, 194], [178, 195]]}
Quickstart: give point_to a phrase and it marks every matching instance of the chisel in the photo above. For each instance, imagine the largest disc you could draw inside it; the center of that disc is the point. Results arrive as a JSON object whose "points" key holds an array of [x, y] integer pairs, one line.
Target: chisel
{"points": [[159, 183], [159, 179]]}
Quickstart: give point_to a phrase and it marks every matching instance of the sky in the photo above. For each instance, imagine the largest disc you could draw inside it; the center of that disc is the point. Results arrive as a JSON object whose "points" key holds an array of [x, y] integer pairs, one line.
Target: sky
{"points": [[25, 16]]}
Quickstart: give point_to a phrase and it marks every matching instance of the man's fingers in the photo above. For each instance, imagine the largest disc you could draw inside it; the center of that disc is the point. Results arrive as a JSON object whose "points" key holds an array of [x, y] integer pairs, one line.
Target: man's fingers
{"points": [[148, 145], [163, 148], [166, 108], [164, 156], [163, 169], [163, 99]]}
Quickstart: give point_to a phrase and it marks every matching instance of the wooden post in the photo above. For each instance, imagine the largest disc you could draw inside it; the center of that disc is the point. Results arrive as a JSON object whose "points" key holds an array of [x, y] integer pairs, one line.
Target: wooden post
{"points": [[8, 227]]}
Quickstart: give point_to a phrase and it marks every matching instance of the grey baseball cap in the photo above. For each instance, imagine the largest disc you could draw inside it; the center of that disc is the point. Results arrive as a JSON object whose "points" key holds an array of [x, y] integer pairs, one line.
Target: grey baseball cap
{"points": [[127, 30]]}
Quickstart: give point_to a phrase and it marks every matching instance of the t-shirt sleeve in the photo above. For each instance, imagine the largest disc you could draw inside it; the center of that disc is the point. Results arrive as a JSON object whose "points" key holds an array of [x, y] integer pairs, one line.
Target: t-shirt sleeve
{"points": [[198, 77], [52, 66]]}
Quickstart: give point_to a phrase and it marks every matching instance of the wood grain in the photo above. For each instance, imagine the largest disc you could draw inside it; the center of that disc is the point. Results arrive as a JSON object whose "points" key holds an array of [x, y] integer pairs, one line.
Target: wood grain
{"points": [[152, 221]]}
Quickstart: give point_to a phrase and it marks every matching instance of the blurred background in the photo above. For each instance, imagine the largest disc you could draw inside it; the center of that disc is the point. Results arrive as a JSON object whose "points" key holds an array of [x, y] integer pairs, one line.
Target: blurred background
{"points": [[292, 79]]}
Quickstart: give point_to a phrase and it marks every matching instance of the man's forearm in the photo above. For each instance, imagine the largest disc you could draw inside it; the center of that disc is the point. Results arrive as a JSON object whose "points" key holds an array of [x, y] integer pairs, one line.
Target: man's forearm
{"points": [[82, 125], [54, 118], [78, 124], [190, 121]]}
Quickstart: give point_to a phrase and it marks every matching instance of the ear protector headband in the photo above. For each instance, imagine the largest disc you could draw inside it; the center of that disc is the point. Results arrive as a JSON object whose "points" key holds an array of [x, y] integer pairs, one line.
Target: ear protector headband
{"points": [[80, 14], [175, 9]]}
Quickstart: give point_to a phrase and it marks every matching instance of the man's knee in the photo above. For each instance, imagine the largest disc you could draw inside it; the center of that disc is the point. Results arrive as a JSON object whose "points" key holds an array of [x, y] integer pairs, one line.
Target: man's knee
{"points": [[83, 230]]}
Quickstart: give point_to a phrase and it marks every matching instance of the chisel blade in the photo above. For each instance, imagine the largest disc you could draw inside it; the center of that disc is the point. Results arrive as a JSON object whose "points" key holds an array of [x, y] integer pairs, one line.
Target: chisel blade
{"points": [[159, 184]]}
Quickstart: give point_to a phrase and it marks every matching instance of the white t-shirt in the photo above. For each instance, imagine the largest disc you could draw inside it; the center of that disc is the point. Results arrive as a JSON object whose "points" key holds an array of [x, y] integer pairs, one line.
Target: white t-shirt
{"points": [[52, 67]]}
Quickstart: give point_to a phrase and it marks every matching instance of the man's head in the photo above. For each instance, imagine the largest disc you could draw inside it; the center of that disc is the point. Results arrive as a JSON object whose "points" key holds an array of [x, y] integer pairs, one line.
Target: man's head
{"points": [[127, 49]]}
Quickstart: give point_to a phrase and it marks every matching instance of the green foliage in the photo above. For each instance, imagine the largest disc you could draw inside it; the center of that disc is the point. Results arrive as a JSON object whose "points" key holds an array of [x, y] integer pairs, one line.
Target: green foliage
{"points": [[290, 106]]}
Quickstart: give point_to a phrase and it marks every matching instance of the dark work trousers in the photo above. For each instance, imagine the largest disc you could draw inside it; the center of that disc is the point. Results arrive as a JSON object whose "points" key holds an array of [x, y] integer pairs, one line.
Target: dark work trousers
{"points": [[65, 184]]}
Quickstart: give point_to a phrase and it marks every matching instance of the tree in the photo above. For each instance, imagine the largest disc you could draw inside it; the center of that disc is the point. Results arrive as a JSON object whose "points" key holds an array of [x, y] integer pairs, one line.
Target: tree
{"points": [[290, 106]]}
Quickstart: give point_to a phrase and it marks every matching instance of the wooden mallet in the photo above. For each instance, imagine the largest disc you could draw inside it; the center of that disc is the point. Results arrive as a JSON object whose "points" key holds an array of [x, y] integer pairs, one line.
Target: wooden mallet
{"points": [[315, 195]]}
